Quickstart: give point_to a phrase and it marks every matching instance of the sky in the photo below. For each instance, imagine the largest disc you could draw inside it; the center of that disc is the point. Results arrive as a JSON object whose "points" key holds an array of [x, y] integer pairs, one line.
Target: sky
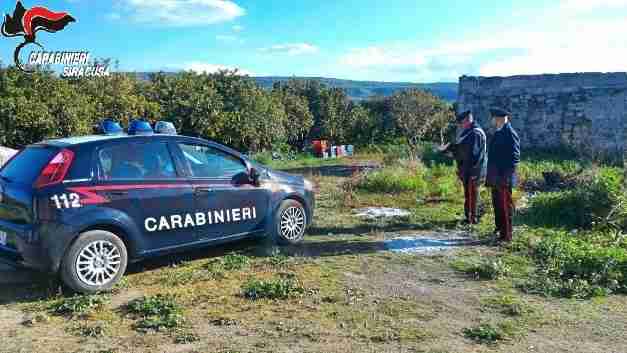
{"points": [[377, 40]]}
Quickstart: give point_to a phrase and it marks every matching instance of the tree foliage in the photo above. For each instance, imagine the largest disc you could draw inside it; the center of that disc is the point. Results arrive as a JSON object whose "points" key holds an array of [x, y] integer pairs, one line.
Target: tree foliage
{"points": [[225, 106]]}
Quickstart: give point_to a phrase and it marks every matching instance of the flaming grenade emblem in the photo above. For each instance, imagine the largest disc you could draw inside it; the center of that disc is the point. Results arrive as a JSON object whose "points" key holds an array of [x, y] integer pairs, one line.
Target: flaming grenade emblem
{"points": [[26, 23]]}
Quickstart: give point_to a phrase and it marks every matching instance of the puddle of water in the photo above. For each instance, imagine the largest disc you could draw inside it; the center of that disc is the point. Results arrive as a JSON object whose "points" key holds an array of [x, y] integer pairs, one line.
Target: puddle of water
{"points": [[380, 212], [426, 245]]}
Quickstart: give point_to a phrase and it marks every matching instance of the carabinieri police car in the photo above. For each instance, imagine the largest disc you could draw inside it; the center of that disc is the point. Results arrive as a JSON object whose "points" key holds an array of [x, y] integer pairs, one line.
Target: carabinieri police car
{"points": [[84, 207]]}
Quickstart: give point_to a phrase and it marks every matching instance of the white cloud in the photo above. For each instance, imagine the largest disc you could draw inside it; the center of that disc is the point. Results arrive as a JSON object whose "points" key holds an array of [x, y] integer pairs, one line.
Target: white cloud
{"points": [[587, 5], [565, 38], [291, 49], [182, 12], [202, 67]]}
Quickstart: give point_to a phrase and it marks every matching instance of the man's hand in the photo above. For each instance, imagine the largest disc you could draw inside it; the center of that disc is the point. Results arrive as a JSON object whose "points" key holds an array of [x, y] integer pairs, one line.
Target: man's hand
{"points": [[443, 148]]}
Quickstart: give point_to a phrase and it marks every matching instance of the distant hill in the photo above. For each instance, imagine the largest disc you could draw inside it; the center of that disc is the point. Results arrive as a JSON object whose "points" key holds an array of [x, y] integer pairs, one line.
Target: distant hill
{"points": [[363, 89], [359, 90]]}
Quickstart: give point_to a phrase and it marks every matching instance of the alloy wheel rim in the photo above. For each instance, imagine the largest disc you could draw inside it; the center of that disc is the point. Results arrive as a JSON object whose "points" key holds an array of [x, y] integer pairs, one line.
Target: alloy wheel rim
{"points": [[293, 223], [98, 263]]}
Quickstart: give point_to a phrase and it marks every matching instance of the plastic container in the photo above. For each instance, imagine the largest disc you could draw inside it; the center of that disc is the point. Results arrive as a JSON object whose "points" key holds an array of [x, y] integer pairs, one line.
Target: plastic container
{"points": [[350, 149], [319, 146]]}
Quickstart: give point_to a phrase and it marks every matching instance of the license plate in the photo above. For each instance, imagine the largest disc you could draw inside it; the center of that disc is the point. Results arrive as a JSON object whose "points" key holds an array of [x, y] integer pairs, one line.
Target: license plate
{"points": [[3, 238]]}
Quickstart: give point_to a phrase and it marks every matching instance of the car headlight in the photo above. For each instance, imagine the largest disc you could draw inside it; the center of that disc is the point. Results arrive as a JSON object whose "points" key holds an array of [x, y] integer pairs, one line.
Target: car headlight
{"points": [[309, 185]]}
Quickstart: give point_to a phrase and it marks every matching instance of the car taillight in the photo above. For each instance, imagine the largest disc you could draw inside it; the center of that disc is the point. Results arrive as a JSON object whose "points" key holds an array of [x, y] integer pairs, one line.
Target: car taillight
{"points": [[56, 169]]}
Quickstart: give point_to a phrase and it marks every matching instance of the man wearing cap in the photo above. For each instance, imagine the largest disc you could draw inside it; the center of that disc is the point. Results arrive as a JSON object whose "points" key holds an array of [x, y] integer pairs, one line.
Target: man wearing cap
{"points": [[471, 156], [503, 159]]}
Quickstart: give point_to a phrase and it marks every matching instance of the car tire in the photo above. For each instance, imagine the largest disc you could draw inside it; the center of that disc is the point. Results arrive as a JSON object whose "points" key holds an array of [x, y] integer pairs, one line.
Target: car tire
{"points": [[95, 262], [290, 223]]}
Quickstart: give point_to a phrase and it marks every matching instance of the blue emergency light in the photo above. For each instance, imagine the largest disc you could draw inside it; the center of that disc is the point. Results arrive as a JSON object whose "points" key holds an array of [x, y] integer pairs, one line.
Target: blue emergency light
{"points": [[140, 127], [109, 127], [165, 127]]}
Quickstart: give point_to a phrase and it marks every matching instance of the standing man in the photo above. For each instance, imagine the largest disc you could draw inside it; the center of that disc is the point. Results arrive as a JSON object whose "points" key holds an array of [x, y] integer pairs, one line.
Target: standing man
{"points": [[504, 156], [471, 156]]}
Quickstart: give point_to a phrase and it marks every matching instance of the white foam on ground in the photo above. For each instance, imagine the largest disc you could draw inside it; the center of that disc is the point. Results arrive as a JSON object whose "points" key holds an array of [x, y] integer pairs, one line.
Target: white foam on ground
{"points": [[380, 212], [421, 244]]}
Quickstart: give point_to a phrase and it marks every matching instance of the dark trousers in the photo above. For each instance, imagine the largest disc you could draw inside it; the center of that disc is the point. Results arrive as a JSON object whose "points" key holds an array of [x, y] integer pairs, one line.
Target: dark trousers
{"points": [[503, 210], [471, 200]]}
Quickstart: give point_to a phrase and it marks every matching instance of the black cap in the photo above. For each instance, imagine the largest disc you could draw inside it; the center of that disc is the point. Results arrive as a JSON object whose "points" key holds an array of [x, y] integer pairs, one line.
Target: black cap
{"points": [[499, 112], [461, 116]]}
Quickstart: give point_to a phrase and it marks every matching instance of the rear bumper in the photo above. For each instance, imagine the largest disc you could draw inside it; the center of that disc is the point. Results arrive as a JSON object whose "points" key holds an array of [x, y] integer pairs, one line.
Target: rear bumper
{"points": [[21, 250]]}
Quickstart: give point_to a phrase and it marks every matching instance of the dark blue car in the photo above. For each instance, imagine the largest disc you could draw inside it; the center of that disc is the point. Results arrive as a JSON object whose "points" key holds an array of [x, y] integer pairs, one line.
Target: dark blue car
{"points": [[85, 207]]}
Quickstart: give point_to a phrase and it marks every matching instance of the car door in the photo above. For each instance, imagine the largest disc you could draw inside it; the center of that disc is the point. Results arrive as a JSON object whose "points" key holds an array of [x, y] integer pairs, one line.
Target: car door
{"points": [[227, 203], [142, 180]]}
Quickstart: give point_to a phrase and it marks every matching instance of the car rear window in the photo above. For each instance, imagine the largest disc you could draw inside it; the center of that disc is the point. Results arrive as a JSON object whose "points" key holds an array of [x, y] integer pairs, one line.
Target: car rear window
{"points": [[27, 164]]}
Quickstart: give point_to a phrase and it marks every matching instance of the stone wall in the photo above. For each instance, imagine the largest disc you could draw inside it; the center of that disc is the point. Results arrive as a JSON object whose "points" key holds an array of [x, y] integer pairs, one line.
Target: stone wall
{"points": [[586, 111]]}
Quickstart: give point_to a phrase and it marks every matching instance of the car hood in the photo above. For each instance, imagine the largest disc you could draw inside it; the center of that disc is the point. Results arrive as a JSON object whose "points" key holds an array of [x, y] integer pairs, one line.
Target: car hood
{"points": [[280, 177]]}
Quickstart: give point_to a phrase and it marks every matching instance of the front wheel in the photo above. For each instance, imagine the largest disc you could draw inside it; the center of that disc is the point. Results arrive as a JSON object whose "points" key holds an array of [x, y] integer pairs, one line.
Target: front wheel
{"points": [[290, 222], [95, 262]]}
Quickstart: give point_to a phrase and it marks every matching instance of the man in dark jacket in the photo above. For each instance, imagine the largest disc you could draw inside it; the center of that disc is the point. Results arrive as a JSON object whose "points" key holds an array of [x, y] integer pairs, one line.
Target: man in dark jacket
{"points": [[503, 159], [470, 153]]}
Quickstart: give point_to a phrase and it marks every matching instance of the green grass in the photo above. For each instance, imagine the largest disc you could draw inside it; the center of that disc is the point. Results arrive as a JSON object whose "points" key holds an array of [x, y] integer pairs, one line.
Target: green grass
{"points": [[487, 269], [508, 305], [97, 330], [79, 304], [588, 203], [282, 288], [157, 312], [301, 160], [574, 267], [485, 334]]}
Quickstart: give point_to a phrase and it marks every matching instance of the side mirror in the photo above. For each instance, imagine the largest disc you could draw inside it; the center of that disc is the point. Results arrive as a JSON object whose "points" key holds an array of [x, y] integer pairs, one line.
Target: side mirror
{"points": [[253, 175]]}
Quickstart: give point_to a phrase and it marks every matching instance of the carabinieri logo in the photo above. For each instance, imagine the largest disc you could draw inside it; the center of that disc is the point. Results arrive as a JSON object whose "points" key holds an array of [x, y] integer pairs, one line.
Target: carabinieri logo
{"points": [[26, 23]]}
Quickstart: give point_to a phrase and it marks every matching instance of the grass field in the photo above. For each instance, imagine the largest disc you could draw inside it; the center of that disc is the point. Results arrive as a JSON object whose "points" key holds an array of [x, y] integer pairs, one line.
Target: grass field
{"points": [[341, 291]]}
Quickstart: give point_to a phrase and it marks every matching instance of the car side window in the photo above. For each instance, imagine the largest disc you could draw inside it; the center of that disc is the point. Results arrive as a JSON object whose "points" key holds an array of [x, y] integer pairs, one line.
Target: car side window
{"points": [[208, 162], [150, 160]]}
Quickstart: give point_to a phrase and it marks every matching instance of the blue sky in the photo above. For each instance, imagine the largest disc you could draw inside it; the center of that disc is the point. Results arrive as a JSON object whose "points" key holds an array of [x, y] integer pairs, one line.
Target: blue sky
{"points": [[391, 40]]}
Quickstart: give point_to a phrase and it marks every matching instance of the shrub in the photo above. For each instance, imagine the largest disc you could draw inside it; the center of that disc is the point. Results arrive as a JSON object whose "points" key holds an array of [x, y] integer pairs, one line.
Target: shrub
{"points": [[231, 262], [488, 269], [575, 267], [430, 156], [583, 206], [264, 157], [79, 304], [157, 312], [282, 288], [394, 180], [442, 181], [235, 262], [484, 333]]}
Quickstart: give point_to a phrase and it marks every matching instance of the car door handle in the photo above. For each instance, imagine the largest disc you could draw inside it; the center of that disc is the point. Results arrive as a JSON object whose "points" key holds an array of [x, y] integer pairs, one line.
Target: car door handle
{"points": [[118, 193], [200, 191]]}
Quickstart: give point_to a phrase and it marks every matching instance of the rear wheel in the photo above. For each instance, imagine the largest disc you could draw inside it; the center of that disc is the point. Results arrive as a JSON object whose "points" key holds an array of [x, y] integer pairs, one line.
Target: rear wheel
{"points": [[290, 223], [95, 262]]}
